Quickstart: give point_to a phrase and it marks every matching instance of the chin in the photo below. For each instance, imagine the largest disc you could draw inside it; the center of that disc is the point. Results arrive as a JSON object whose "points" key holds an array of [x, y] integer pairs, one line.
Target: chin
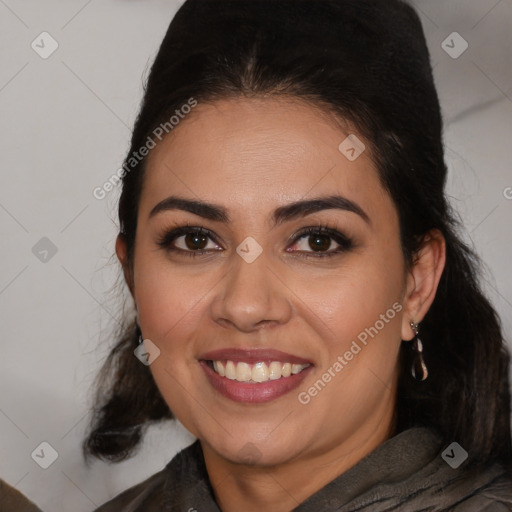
{"points": [[257, 452]]}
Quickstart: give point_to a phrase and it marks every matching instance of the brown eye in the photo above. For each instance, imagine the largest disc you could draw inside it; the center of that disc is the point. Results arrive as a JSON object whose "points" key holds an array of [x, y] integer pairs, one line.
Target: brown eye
{"points": [[319, 242], [196, 241], [189, 241]]}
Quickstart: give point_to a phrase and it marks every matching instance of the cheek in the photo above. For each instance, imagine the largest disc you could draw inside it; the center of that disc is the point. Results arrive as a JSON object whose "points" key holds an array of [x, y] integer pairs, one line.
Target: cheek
{"points": [[170, 310], [353, 299], [358, 312], [360, 321], [168, 301]]}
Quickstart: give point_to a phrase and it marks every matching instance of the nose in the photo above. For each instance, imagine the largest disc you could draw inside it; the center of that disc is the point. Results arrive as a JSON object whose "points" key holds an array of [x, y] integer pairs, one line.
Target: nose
{"points": [[251, 297]]}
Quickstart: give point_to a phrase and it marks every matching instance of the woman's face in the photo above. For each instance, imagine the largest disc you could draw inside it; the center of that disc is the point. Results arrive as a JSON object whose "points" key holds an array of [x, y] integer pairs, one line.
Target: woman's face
{"points": [[279, 323]]}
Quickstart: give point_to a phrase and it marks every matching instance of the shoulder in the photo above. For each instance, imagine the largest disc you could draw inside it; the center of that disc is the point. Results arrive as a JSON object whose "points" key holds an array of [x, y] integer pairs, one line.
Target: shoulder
{"points": [[146, 494], [413, 471], [493, 494], [150, 494], [458, 486], [472, 488]]}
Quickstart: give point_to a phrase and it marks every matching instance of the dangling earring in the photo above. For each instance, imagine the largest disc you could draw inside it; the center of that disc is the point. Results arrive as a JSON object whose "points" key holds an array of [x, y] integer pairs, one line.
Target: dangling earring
{"points": [[138, 333], [419, 368]]}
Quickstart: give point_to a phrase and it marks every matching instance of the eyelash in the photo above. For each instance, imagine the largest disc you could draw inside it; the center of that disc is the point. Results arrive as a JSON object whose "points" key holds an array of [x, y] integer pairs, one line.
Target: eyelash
{"points": [[344, 242], [165, 241]]}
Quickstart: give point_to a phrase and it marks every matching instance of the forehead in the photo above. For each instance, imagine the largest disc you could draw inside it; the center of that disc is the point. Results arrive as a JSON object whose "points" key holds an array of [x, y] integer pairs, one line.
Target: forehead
{"points": [[263, 152]]}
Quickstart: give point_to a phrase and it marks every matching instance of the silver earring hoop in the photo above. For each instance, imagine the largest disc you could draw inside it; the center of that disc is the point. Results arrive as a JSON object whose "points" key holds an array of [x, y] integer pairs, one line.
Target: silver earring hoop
{"points": [[419, 369]]}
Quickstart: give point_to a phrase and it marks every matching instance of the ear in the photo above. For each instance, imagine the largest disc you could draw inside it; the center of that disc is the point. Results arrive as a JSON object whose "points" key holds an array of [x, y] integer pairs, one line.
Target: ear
{"points": [[422, 280], [122, 255]]}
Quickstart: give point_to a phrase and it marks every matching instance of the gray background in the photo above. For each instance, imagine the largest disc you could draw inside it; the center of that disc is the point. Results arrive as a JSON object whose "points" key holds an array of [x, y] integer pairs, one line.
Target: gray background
{"points": [[64, 129]]}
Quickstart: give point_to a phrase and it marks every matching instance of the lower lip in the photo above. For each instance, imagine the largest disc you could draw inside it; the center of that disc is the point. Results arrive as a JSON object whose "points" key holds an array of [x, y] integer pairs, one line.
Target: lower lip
{"points": [[254, 393]]}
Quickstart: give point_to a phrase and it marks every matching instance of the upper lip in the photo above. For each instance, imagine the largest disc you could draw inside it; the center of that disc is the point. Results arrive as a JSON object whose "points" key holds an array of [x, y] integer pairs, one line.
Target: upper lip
{"points": [[252, 356]]}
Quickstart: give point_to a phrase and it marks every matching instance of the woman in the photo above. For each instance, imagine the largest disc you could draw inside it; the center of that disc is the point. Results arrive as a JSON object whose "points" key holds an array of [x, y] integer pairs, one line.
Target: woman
{"points": [[303, 304]]}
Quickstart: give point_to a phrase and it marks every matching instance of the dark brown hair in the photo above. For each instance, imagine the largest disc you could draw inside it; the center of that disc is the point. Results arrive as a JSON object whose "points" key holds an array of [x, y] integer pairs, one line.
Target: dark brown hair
{"points": [[367, 62]]}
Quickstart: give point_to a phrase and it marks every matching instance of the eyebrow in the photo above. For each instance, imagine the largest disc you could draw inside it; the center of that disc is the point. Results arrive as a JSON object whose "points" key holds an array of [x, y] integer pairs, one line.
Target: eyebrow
{"points": [[282, 214], [200, 208], [303, 208]]}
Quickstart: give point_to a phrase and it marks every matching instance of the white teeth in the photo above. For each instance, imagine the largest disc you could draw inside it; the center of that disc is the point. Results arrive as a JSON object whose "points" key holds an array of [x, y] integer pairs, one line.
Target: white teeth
{"points": [[296, 368], [219, 368], [275, 370], [243, 372], [230, 370], [259, 372]]}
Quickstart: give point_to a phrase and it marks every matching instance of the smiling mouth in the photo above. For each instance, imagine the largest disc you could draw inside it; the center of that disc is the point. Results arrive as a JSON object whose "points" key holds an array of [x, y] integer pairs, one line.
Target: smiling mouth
{"points": [[257, 372]]}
